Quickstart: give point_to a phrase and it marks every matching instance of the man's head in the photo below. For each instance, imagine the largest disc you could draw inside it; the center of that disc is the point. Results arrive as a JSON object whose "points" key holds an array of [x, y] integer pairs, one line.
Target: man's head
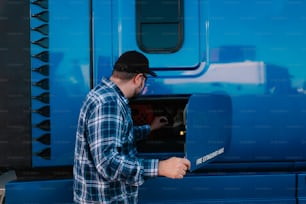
{"points": [[132, 68]]}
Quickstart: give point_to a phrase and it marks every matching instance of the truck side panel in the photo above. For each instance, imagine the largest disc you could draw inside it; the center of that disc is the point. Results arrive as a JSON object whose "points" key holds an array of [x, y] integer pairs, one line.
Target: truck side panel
{"points": [[251, 51]]}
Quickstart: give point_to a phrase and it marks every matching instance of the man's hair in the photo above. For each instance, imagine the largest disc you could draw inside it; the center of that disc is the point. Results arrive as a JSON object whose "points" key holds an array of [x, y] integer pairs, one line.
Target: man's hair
{"points": [[126, 76]]}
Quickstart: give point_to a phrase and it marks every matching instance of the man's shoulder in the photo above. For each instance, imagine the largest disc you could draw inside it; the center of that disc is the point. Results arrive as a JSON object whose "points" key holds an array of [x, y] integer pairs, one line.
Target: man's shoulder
{"points": [[102, 94]]}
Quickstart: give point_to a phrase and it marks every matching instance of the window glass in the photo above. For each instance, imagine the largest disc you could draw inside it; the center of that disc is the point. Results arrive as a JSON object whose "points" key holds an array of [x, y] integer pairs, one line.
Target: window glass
{"points": [[159, 25]]}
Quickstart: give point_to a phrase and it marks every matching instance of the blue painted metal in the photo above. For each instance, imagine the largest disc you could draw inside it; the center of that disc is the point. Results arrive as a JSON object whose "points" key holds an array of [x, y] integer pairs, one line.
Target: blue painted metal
{"points": [[213, 189], [251, 61], [301, 188], [239, 52], [253, 51], [201, 188], [208, 128], [263, 89], [69, 61], [45, 191], [69, 57]]}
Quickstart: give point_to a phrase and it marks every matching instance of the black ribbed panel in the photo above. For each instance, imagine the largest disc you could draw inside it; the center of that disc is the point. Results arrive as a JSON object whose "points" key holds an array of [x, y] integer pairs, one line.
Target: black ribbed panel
{"points": [[42, 142], [15, 86]]}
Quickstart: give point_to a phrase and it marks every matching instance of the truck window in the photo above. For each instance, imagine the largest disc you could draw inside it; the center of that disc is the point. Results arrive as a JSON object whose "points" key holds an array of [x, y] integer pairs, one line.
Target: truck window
{"points": [[159, 25]]}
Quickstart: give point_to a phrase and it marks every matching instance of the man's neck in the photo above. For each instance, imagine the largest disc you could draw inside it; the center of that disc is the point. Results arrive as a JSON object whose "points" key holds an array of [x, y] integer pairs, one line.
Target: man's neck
{"points": [[122, 85]]}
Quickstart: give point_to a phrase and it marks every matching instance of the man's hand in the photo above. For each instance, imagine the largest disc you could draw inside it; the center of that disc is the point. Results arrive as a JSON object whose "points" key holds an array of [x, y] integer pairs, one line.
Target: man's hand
{"points": [[174, 167], [158, 122]]}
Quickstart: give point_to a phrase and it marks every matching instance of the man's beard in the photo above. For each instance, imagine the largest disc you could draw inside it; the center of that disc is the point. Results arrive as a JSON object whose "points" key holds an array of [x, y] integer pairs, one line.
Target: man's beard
{"points": [[136, 93]]}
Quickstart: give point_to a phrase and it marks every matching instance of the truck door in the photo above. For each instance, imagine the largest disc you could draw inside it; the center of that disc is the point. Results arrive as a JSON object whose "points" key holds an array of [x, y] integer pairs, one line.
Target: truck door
{"points": [[208, 128], [168, 32], [199, 126]]}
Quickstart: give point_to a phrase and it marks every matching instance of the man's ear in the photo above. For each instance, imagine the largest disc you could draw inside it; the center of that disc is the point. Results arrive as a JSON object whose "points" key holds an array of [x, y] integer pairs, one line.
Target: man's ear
{"points": [[137, 79]]}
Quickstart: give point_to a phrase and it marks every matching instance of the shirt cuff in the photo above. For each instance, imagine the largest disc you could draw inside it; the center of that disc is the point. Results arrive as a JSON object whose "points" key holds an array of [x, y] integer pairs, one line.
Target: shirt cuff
{"points": [[147, 130], [150, 167]]}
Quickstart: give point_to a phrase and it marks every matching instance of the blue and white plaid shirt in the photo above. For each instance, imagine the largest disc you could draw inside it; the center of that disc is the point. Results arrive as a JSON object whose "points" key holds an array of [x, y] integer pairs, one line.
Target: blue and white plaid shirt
{"points": [[106, 169]]}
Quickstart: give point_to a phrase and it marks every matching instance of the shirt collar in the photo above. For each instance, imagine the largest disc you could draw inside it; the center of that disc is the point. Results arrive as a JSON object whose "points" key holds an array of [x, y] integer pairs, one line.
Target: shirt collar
{"points": [[112, 85]]}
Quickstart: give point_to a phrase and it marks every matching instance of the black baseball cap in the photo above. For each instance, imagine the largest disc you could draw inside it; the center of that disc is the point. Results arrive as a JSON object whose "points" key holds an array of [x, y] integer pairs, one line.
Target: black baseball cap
{"points": [[133, 62]]}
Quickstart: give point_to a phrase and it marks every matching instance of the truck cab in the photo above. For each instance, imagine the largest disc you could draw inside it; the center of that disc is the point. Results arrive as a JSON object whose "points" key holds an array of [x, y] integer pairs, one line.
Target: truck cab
{"points": [[231, 81]]}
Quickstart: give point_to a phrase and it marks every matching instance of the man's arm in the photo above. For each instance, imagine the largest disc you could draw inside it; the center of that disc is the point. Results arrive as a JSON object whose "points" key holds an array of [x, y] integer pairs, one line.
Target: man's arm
{"points": [[141, 132], [106, 139]]}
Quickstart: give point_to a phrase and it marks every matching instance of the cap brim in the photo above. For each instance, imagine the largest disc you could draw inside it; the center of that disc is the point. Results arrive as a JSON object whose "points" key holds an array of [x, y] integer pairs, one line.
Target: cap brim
{"points": [[152, 73]]}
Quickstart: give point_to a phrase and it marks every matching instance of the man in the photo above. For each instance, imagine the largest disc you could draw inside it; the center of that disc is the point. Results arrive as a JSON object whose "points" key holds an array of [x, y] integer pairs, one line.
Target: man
{"points": [[106, 169]]}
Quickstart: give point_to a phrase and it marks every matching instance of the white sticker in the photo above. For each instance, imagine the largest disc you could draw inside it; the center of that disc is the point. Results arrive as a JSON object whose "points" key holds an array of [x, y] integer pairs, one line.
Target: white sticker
{"points": [[209, 156]]}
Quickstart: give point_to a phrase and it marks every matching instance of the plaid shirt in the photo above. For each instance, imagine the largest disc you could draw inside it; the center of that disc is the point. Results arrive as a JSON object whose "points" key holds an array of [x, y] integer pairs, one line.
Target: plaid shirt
{"points": [[106, 169]]}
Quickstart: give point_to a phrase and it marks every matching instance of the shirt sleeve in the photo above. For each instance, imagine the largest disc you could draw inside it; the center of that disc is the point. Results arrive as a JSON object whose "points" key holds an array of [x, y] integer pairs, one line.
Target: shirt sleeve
{"points": [[105, 134], [141, 132], [150, 167]]}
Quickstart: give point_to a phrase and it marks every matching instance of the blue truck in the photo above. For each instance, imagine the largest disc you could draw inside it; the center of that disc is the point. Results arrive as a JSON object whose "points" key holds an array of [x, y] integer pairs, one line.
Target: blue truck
{"points": [[231, 80]]}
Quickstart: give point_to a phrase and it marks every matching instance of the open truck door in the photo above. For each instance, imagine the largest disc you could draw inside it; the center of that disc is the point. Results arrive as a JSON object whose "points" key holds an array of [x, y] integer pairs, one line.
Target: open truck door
{"points": [[199, 126], [208, 128]]}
